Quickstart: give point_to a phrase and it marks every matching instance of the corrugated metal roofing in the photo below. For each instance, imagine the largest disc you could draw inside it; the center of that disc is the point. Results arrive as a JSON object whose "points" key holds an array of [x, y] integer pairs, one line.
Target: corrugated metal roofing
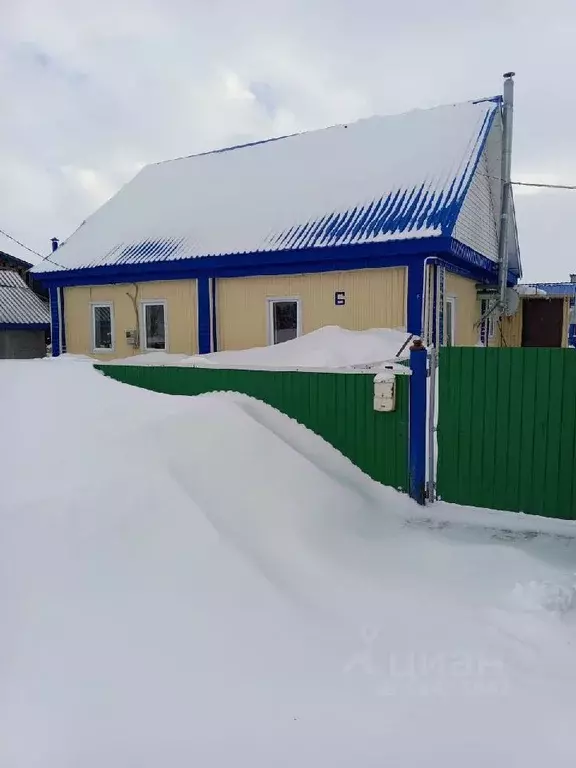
{"points": [[556, 289], [379, 179], [18, 303]]}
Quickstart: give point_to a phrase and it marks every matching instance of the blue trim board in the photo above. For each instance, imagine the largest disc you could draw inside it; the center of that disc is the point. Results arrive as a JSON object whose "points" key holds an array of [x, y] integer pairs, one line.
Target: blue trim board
{"points": [[415, 297], [311, 260], [62, 322], [55, 320], [336, 258], [417, 424], [214, 316], [24, 326], [204, 319]]}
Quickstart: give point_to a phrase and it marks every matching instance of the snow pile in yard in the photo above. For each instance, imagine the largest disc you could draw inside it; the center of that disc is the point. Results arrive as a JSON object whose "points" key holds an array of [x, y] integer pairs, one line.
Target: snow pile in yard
{"points": [[201, 581], [328, 347]]}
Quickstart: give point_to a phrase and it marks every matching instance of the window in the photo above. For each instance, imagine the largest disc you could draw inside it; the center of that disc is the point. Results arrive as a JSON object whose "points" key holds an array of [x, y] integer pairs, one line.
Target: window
{"points": [[102, 327], [153, 324], [449, 324], [283, 320], [487, 326]]}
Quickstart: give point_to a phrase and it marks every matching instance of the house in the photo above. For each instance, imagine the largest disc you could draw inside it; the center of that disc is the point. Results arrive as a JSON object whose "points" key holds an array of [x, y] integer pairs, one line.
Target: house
{"points": [[385, 222], [7, 261], [24, 318], [546, 316]]}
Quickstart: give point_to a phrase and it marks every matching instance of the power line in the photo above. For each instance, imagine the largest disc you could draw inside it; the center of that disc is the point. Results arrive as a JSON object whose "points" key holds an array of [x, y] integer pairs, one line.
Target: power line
{"points": [[31, 250], [546, 186], [533, 183]]}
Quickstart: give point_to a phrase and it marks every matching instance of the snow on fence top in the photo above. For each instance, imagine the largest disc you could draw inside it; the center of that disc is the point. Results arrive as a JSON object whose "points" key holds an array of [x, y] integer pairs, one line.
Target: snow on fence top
{"points": [[378, 179]]}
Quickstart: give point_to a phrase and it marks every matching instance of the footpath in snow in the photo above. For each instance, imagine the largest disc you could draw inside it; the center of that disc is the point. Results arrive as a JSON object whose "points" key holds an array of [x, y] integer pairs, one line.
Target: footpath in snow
{"points": [[201, 581]]}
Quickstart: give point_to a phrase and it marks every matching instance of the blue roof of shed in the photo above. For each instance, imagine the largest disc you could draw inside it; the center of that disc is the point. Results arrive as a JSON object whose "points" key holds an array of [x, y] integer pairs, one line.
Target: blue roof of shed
{"points": [[556, 289], [376, 180]]}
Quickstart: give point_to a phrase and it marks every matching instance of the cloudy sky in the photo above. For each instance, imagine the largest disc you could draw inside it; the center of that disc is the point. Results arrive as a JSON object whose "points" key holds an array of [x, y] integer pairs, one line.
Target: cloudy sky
{"points": [[91, 90]]}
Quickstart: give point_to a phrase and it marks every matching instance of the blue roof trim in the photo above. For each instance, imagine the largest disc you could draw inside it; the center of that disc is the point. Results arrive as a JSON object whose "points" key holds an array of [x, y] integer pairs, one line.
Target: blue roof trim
{"points": [[24, 326], [335, 258], [245, 264]]}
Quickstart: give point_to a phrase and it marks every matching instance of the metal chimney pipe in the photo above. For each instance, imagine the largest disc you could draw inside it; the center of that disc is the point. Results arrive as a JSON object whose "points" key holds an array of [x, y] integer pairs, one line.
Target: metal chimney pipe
{"points": [[55, 243], [505, 174], [573, 278]]}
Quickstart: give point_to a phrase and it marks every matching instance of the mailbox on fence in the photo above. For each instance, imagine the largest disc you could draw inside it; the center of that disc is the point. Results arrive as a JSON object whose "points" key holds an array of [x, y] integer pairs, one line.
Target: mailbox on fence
{"points": [[385, 392]]}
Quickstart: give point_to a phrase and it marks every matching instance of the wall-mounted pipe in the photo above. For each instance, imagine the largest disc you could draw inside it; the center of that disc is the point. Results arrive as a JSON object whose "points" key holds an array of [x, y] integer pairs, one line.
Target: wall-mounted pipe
{"points": [[506, 186]]}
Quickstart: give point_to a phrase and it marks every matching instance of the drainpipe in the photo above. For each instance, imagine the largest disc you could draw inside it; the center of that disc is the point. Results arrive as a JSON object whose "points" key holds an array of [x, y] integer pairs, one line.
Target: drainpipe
{"points": [[506, 190], [427, 318]]}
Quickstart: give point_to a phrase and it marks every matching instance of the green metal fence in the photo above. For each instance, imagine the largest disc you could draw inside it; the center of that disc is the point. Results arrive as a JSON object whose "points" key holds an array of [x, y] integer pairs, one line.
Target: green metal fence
{"points": [[507, 429], [337, 406]]}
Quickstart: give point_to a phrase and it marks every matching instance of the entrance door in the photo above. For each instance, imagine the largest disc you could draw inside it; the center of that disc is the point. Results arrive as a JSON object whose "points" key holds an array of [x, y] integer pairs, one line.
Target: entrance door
{"points": [[542, 322]]}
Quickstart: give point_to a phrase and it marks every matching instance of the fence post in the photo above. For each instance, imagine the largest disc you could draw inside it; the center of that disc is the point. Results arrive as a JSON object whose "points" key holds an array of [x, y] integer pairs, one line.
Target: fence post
{"points": [[417, 432]]}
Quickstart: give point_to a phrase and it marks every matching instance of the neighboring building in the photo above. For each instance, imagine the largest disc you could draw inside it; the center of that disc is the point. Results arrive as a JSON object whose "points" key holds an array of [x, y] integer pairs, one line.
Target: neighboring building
{"points": [[7, 261], [24, 318], [546, 316], [386, 222]]}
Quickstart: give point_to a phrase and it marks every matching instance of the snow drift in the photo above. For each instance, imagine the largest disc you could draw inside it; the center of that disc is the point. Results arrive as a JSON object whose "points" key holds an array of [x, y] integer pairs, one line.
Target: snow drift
{"points": [[201, 581], [328, 347]]}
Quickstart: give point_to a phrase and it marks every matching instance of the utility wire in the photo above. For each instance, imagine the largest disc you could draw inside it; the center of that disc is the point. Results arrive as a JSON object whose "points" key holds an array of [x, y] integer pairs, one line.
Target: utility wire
{"points": [[532, 183], [21, 244], [545, 186], [31, 250], [496, 178]]}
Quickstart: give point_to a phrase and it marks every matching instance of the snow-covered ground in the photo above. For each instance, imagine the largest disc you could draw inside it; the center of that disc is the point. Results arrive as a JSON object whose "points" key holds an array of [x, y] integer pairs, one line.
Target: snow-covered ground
{"points": [[202, 582], [328, 347]]}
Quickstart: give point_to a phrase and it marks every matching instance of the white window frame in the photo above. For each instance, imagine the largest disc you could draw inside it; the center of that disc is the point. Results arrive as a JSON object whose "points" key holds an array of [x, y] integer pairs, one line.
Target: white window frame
{"points": [[489, 323], [270, 301], [153, 303], [102, 350], [453, 303]]}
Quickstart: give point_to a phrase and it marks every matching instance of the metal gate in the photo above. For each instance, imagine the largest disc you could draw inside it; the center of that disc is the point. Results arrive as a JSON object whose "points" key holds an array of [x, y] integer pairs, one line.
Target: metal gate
{"points": [[507, 429]]}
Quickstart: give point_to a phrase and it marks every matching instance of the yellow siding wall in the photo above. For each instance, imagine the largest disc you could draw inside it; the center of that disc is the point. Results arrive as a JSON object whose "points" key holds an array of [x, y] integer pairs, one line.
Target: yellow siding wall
{"points": [[180, 298], [375, 298], [467, 309], [508, 331]]}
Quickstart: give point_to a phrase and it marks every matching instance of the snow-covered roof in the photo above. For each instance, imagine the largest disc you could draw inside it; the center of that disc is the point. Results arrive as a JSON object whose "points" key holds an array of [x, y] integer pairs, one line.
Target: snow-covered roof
{"points": [[555, 289], [19, 305], [375, 180]]}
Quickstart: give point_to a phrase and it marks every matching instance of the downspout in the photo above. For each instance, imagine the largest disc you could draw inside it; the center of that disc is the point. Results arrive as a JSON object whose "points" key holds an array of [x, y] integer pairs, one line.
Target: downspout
{"points": [[427, 317], [506, 186]]}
